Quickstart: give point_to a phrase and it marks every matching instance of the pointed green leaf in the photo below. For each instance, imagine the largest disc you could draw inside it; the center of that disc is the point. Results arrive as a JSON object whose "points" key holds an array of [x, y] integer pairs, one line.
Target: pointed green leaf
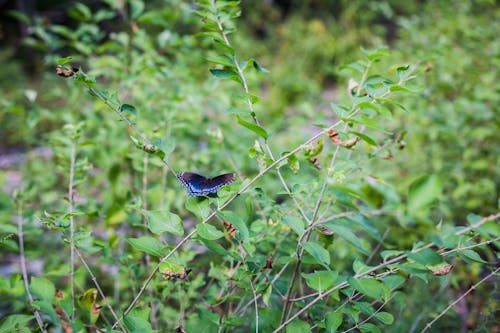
{"points": [[369, 328], [295, 223], [128, 108], [42, 288], [365, 138], [321, 280], [472, 255], [253, 127], [164, 221], [208, 231], [15, 323], [348, 235], [298, 326], [63, 61], [242, 229], [423, 191], [318, 252], [333, 320], [137, 324], [371, 288], [148, 245], [426, 257], [385, 317]]}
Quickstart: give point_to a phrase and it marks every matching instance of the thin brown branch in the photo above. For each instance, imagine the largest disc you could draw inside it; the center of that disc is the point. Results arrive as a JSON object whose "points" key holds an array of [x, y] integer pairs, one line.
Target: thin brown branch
{"points": [[371, 316], [22, 263], [429, 324], [99, 289], [72, 224]]}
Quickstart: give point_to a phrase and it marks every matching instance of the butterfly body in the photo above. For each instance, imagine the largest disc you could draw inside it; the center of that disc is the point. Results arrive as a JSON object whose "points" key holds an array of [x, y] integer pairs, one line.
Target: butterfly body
{"points": [[198, 185]]}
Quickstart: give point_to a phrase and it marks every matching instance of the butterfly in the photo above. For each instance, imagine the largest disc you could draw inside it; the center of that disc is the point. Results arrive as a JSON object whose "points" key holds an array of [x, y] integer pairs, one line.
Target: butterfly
{"points": [[198, 185]]}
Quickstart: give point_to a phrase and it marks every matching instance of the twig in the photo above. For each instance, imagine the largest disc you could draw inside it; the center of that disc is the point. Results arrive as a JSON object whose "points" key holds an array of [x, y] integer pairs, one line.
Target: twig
{"points": [[350, 213], [99, 289], [429, 324], [458, 249], [256, 307], [72, 224], [145, 208], [22, 263], [369, 317]]}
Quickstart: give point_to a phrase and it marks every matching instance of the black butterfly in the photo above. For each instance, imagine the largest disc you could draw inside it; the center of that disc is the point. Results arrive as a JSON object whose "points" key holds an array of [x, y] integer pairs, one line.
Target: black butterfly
{"points": [[198, 186]]}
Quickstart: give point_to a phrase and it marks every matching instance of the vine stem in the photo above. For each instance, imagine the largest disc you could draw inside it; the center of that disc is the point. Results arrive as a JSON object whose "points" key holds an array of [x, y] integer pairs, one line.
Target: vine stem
{"points": [[72, 224], [382, 265], [22, 263], [429, 324]]}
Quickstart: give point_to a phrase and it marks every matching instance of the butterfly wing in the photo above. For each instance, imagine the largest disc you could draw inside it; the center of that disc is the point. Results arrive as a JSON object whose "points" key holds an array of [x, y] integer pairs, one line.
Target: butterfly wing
{"points": [[212, 185], [193, 182], [197, 185]]}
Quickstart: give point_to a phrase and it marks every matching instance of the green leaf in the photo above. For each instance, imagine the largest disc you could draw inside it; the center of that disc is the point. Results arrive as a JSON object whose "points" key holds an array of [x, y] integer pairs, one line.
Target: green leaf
{"points": [[402, 72], [318, 252], [136, 8], [415, 269], [266, 295], [166, 146], [385, 317], [148, 245], [200, 208], [42, 288], [242, 229], [360, 267], [369, 328], [333, 320], [426, 257], [365, 138], [14, 323], [296, 224], [208, 231], [376, 53], [348, 235], [293, 163], [128, 108], [214, 246], [63, 61], [19, 16], [472, 255], [390, 253], [225, 73], [80, 12], [371, 288], [164, 221], [254, 128], [225, 60], [298, 326], [321, 280], [423, 191], [137, 324], [257, 67]]}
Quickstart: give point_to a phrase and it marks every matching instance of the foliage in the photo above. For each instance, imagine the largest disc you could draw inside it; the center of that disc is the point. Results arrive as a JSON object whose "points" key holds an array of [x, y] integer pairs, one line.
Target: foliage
{"points": [[367, 211]]}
